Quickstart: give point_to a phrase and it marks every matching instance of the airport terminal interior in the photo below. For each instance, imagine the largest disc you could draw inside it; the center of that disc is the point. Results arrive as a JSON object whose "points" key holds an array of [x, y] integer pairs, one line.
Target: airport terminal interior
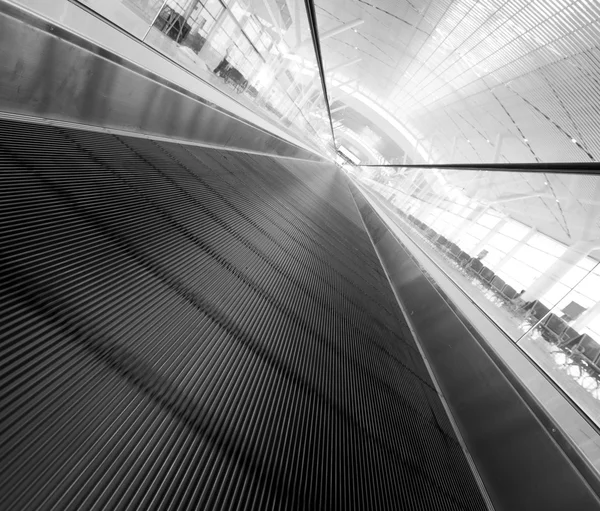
{"points": [[300, 254]]}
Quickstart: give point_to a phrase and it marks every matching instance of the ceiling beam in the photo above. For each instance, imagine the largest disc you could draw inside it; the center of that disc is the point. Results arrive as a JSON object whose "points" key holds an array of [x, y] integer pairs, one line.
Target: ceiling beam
{"points": [[340, 29], [343, 64], [339, 108], [591, 168]]}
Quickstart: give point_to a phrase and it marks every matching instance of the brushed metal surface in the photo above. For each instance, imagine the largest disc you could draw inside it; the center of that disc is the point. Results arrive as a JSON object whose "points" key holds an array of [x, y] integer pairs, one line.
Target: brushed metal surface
{"points": [[518, 460], [51, 73]]}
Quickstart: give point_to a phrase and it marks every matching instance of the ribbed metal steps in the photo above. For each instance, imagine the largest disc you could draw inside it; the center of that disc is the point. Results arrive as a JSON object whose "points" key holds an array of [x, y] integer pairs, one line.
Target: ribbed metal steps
{"points": [[187, 328]]}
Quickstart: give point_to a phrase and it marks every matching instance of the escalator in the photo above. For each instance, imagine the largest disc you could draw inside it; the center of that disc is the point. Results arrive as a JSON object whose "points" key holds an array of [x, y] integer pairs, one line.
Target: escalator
{"points": [[192, 328]]}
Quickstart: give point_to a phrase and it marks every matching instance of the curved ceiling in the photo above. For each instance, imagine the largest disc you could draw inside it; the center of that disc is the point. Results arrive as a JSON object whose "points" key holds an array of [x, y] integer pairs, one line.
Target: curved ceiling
{"points": [[370, 131], [469, 76]]}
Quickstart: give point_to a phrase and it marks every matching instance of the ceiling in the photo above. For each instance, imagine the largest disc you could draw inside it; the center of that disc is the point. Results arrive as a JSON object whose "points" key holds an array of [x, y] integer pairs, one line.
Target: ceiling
{"points": [[565, 207], [485, 81], [561, 206], [368, 131], [466, 76]]}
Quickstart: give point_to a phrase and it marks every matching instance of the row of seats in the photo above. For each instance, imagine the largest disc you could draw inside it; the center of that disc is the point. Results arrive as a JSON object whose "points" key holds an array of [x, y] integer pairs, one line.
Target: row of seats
{"points": [[582, 347], [471, 265], [555, 329]]}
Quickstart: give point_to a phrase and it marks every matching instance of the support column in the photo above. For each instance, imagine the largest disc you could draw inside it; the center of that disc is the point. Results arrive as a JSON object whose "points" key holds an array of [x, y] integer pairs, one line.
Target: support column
{"points": [[334, 31], [342, 65], [498, 147], [471, 218], [428, 207], [425, 210], [444, 207], [427, 188], [430, 151], [297, 17], [274, 18], [587, 317], [453, 153], [301, 99], [339, 108], [417, 155], [545, 282], [289, 109], [341, 95], [218, 24], [190, 9], [486, 239], [307, 95], [512, 252]]}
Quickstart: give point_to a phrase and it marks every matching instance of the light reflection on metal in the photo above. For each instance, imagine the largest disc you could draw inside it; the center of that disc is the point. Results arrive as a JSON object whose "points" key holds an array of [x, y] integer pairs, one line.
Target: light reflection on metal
{"points": [[52, 73]]}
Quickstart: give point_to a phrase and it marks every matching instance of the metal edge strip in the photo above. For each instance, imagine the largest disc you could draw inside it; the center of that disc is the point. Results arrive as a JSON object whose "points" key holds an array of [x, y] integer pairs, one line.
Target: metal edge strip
{"points": [[91, 12], [134, 134], [555, 167], [432, 375]]}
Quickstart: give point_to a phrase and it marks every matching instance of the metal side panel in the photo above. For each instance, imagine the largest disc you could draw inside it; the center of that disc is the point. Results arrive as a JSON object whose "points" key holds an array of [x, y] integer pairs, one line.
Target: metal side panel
{"points": [[190, 328], [50, 73], [521, 464]]}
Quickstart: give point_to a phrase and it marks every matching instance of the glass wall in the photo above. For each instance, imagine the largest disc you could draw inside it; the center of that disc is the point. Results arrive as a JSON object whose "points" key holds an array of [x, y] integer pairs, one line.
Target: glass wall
{"points": [[527, 254], [256, 51]]}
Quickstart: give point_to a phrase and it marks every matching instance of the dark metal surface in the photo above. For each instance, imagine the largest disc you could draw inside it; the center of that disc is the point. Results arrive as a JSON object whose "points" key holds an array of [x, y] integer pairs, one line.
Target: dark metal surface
{"points": [[51, 73], [555, 168], [186, 328], [519, 460]]}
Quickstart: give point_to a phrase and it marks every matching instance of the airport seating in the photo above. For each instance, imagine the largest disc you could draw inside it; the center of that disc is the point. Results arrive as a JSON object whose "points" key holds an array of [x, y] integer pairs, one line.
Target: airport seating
{"points": [[486, 276], [553, 327], [587, 351]]}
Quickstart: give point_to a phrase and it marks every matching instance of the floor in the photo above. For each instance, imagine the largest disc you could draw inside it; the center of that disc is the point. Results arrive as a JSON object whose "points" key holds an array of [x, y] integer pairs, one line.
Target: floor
{"points": [[197, 329]]}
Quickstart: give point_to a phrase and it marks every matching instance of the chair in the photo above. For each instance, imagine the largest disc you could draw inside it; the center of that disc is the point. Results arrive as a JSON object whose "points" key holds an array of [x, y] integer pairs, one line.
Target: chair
{"points": [[538, 310], [464, 259], [509, 296], [509, 292], [475, 266], [553, 327], [568, 337], [573, 311], [587, 349], [498, 284], [172, 24], [486, 275], [454, 252], [441, 242]]}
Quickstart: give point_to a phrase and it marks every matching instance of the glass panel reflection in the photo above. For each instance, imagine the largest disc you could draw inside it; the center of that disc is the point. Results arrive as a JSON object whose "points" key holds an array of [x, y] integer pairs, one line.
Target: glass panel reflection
{"points": [[256, 51], [524, 246]]}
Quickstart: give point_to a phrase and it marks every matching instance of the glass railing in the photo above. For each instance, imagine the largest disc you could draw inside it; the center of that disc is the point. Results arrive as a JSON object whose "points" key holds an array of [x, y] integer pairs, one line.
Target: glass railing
{"points": [[524, 246], [259, 53]]}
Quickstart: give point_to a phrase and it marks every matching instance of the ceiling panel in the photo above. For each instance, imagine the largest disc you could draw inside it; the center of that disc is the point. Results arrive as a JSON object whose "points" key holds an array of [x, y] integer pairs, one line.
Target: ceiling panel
{"points": [[525, 69]]}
